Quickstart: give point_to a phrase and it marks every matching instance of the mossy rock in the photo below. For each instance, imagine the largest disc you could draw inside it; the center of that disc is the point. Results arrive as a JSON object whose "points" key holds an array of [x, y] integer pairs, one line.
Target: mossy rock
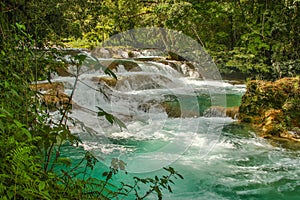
{"points": [[56, 86], [110, 81], [262, 95], [62, 71], [151, 59], [219, 111], [172, 109], [52, 95], [274, 107], [114, 65], [174, 56], [272, 122]]}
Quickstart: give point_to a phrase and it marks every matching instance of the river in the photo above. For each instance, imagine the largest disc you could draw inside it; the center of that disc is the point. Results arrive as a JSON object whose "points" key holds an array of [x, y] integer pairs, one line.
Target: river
{"points": [[218, 157]]}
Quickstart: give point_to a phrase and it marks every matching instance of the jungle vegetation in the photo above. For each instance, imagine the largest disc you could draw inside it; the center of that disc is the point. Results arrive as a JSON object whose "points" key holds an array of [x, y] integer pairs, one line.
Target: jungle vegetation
{"points": [[256, 38]]}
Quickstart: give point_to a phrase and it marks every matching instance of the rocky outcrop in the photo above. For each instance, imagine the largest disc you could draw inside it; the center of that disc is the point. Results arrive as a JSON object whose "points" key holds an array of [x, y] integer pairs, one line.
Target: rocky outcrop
{"points": [[118, 52], [111, 52], [219, 111], [62, 71], [273, 107], [137, 81], [109, 81], [52, 95], [172, 109], [129, 65]]}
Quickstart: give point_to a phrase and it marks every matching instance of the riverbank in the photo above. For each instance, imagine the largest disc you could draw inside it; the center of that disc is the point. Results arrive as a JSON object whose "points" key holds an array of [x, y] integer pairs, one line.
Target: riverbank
{"points": [[273, 108]]}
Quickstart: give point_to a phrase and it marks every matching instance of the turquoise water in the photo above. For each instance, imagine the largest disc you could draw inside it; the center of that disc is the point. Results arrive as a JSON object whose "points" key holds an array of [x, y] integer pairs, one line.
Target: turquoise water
{"points": [[234, 165], [218, 158]]}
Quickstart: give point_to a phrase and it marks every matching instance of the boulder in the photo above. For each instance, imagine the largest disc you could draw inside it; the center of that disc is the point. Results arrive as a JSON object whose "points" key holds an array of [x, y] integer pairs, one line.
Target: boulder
{"points": [[57, 86], [219, 111], [141, 81], [129, 65], [113, 52], [109, 81], [273, 107], [63, 71], [101, 53], [175, 56], [172, 109], [52, 95], [232, 112]]}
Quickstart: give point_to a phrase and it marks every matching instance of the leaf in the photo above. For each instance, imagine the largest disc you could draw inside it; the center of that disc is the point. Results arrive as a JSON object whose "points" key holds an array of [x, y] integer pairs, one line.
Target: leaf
{"points": [[19, 124], [65, 161], [10, 194], [42, 185], [14, 92], [157, 190], [170, 169], [20, 26], [144, 181], [27, 133], [100, 114], [80, 58], [5, 113], [110, 73], [180, 176], [109, 176], [100, 110], [169, 188], [120, 123], [109, 118]]}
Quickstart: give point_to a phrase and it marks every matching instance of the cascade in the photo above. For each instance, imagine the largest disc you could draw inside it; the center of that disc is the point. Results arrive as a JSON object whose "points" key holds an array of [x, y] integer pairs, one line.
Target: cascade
{"points": [[157, 102]]}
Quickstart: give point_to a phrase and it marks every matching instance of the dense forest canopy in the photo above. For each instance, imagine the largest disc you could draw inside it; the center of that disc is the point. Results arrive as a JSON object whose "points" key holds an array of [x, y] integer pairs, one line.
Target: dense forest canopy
{"points": [[257, 38]]}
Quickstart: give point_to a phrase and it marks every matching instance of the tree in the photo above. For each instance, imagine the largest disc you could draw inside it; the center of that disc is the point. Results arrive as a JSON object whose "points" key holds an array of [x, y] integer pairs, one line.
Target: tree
{"points": [[31, 141]]}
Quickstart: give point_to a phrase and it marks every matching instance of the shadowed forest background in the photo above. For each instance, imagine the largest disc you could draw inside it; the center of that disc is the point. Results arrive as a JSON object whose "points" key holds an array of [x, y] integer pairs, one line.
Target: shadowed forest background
{"points": [[258, 38]]}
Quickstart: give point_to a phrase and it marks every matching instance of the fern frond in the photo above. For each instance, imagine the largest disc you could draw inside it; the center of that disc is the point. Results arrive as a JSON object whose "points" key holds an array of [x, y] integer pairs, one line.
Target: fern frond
{"points": [[21, 156]]}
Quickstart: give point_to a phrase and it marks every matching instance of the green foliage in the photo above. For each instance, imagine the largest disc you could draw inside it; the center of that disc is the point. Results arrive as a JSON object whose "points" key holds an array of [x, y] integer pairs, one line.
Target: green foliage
{"points": [[156, 185], [272, 106], [31, 142], [110, 118], [257, 38]]}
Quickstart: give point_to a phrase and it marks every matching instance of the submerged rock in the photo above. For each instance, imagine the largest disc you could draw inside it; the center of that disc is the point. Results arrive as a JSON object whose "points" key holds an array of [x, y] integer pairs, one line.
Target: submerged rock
{"points": [[172, 109], [273, 107], [219, 111]]}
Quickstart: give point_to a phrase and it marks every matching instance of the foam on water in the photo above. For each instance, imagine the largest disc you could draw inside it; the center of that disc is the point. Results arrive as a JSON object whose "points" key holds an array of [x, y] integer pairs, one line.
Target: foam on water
{"points": [[218, 158]]}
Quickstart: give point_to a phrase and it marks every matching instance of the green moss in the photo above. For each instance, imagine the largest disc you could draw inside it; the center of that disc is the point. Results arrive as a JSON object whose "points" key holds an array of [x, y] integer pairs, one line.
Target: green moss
{"points": [[272, 106]]}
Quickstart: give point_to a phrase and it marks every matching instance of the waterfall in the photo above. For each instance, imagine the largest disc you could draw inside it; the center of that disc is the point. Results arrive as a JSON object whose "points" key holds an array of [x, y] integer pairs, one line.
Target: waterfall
{"points": [[175, 117], [158, 99]]}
